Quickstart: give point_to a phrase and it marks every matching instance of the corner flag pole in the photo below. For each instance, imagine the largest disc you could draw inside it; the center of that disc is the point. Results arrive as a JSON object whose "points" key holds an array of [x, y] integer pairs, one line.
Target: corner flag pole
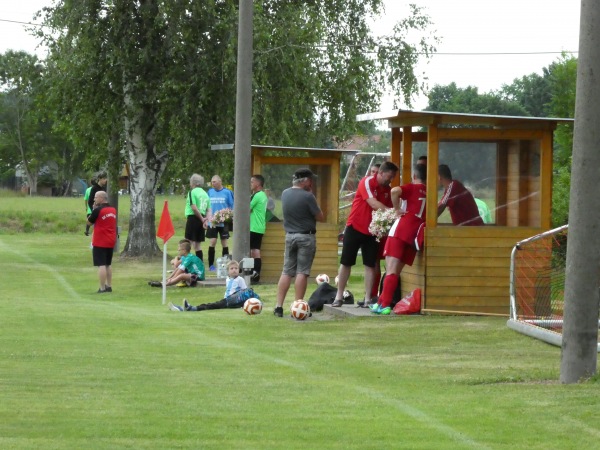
{"points": [[165, 231]]}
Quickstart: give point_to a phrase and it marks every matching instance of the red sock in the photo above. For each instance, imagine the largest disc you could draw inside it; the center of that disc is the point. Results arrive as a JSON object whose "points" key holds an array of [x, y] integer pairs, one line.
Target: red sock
{"points": [[375, 288], [390, 283]]}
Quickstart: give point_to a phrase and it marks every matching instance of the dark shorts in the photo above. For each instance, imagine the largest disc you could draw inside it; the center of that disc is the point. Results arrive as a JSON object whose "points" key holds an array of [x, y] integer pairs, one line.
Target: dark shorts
{"points": [[355, 241], [255, 240], [213, 232], [194, 230], [102, 256], [193, 281]]}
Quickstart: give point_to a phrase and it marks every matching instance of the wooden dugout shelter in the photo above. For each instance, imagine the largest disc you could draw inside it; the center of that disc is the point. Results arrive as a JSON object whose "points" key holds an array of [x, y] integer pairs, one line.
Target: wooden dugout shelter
{"points": [[465, 269], [277, 165]]}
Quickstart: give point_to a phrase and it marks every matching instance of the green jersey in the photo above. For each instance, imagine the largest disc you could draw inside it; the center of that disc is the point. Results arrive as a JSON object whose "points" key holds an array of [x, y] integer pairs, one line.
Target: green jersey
{"points": [[192, 264], [258, 210], [198, 197], [86, 197]]}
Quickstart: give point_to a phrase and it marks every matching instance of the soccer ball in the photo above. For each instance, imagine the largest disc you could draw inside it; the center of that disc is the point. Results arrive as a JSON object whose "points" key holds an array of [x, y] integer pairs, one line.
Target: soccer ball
{"points": [[300, 310], [252, 306], [322, 278]]}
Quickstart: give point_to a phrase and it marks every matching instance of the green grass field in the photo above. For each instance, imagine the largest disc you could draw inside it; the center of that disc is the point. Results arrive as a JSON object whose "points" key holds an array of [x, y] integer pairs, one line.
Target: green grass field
{"points": [[85, 370]]}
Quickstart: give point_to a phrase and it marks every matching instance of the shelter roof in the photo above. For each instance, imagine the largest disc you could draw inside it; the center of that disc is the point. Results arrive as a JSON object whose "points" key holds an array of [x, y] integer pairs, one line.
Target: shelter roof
{"points": [[406, 117]]}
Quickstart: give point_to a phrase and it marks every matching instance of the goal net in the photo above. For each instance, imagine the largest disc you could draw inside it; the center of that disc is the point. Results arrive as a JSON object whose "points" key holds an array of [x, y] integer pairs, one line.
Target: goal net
{"points": [[537, 285]]}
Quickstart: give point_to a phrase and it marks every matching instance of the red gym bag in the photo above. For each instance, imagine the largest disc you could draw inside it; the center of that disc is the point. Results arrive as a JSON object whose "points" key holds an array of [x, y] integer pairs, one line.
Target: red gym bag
{"points": [[411, 304]]}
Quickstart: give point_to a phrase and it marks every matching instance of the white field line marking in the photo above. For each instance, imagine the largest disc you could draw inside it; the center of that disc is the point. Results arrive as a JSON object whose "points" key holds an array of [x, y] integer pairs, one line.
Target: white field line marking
{"points": [[61, 280]]}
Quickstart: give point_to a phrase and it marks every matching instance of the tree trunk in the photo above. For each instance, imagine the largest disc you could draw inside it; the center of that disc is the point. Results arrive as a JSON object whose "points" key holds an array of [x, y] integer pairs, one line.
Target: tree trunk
{"points": [[580, 332], [146, 169]]}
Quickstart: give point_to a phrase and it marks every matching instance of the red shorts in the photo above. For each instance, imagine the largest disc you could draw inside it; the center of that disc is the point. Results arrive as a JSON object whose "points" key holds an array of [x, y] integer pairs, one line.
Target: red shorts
{"points": [[399, 249]]}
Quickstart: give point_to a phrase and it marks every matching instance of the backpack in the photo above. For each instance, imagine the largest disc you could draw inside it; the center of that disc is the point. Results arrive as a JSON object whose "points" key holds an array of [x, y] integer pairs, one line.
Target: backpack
{"points": [[411, 304], [397, 293], [323, 295]]}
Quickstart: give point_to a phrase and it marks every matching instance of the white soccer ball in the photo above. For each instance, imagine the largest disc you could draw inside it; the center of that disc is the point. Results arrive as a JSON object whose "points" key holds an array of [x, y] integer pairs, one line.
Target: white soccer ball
{"points": [[300, 310], [322, 278], [252, 306]]}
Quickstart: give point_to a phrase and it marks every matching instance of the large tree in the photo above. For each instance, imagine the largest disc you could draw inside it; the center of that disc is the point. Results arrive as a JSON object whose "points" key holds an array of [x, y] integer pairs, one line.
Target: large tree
{"points": [[26, 138], [161, 74]]}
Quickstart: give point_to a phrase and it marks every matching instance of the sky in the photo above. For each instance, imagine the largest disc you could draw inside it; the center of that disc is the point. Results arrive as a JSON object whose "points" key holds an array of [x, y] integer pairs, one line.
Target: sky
{"points": [[483, 44]]}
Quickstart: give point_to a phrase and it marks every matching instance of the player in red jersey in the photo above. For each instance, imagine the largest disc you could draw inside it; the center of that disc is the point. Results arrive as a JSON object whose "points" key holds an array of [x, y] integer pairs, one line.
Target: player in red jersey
{"points": [[458, 199], [373, 193], [104, 219], [400, 246]]}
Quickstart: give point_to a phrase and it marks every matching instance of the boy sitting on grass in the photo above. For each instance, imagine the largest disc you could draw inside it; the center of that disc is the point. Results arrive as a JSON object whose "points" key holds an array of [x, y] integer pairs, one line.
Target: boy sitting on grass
{"points": [[236, 293], [189, 271]]}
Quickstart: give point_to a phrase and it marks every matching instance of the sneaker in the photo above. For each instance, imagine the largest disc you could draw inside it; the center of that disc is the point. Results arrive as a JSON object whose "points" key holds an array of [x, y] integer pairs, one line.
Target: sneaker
{"points": [[385, 311], [108, 289], [100, 291], [212, 269], [255, 277], [86, 233], [186, 305], [278, 311], [155, 283], [182, 284], [173, 307], [375, 308]]}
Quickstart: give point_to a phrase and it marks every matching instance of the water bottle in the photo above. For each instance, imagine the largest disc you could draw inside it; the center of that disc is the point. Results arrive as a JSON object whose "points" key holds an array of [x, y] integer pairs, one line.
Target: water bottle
{"points": [[222, 266]]}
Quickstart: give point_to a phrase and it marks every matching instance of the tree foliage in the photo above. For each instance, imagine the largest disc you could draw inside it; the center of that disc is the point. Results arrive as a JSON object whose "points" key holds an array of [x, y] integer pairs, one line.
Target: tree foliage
{"points": [[27, 139], [162, 75]]}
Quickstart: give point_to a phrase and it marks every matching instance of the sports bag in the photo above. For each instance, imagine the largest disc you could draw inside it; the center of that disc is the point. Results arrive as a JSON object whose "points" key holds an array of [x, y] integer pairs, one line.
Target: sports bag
{"points": [[323, 295], [411, 304], [237, 299]]}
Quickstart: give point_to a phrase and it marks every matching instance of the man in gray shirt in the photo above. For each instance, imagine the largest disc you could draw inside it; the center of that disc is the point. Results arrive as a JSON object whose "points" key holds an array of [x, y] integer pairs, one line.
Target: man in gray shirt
{"points": [[300, 216]]}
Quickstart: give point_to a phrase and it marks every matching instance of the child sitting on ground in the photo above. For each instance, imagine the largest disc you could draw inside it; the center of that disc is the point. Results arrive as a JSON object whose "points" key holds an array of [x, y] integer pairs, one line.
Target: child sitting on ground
{"points": [[189, 271], [236, 293]]}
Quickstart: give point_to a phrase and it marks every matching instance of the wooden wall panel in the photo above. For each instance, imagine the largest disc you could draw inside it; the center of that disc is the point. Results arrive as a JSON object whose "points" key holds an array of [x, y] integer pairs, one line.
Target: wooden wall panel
{"points": [[273, 248], [468, 268]]}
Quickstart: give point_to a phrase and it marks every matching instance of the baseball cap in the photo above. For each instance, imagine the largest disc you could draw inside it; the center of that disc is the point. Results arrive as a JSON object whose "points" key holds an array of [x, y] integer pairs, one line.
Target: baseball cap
{"points": [[303, 173]]}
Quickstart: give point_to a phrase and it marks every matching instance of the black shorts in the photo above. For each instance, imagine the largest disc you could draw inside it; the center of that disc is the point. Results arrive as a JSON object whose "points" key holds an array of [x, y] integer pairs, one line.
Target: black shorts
{"points": [[213, 232], [255, 240], [354, 241], [194, 229], [102, 256]]}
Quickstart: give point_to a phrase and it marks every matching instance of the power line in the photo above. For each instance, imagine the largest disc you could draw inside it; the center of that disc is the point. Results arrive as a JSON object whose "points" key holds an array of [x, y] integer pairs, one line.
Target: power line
{"points": [[418, 53], [22, 23]]}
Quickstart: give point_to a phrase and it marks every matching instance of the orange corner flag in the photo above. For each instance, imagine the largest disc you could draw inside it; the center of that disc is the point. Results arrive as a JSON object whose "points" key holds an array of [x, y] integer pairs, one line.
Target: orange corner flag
{"points": [[165, 228]]}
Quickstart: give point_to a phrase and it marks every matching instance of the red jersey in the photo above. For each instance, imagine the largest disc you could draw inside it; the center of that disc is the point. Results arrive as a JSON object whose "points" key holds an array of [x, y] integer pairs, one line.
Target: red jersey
{"points": [[406, 227], [461, 204], [361, 212], [104, 219]]}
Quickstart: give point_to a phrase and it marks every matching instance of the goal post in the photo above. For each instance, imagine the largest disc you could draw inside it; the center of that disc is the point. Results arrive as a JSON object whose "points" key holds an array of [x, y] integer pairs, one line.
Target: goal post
{"points": [[537, 285]]}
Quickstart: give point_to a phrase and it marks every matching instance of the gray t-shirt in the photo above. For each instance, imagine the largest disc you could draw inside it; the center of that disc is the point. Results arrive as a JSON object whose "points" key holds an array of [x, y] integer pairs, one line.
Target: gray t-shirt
{"points": [[299, 210]]}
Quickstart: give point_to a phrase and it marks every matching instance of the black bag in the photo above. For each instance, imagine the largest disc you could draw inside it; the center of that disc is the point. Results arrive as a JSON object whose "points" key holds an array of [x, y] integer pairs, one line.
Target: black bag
{"points": [[323, 295], [397, 293]]}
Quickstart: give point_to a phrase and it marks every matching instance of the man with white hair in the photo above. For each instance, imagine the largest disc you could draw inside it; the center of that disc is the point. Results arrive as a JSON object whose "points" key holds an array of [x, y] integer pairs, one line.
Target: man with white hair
{"points": [[198, 213]]}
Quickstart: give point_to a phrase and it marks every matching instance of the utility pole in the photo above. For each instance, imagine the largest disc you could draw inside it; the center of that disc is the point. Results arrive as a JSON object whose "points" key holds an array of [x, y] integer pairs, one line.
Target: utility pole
{"points": [[243, 133], [580, 330]]}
